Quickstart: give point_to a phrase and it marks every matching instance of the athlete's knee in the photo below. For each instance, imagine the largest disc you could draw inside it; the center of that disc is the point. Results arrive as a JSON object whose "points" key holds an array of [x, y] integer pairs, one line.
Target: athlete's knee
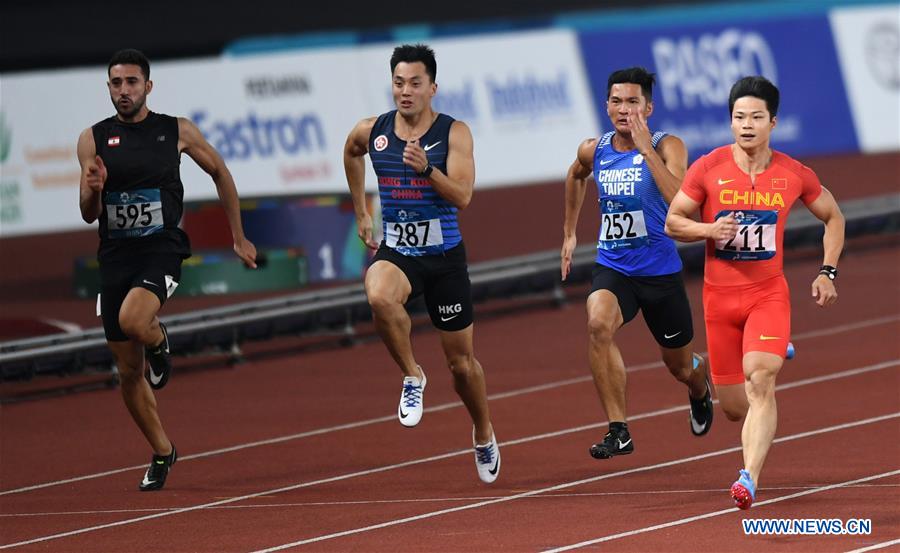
{"points": [[761, 386], [601, 329], [129, 376], [381, 301], [133, 327], [461, 365]]}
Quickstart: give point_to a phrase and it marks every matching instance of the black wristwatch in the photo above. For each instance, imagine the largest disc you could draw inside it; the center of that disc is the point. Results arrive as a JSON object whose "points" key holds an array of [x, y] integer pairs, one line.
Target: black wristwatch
{"points": [[829, 271], [427, 171]]}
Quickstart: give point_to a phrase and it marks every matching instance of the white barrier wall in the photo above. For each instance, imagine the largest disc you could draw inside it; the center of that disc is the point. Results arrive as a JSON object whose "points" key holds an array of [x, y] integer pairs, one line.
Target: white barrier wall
{"points": [[868, 46]]}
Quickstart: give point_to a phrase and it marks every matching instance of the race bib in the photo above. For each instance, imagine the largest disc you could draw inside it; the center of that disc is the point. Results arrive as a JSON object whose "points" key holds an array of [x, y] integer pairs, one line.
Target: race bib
{"points": [[413, 231], [134, 213], [755, 239], [622, 224]]}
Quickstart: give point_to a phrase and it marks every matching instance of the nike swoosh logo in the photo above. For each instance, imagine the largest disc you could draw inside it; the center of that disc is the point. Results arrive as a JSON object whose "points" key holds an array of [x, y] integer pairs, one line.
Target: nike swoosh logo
{"points": [[155, 379], [623, 446], [606, 161], [764, 337], [430, 146], [723, 181], [151, 283], [146, 481], [403, 415], [493, 471], [698, 428], [448, 318], [667, 337]]}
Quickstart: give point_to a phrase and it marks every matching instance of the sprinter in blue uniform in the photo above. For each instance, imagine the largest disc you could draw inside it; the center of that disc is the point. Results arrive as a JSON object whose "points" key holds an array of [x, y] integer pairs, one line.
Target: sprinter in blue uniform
{"points": [[131, 185], [637, 267], [426, 173]]}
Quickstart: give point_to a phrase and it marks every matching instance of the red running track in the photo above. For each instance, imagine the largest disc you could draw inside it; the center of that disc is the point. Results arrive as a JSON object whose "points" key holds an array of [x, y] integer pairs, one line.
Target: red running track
{"points": [[304, 452]]}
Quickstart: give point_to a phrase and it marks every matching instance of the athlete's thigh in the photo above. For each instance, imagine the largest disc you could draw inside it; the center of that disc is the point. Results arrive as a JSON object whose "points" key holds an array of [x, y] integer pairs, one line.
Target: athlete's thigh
{"points": [[615, 283], [448, 291], [457, 343], [667, 310], [115, 283], [724, 335], [140, 306], [391, 275], [768, 327]]}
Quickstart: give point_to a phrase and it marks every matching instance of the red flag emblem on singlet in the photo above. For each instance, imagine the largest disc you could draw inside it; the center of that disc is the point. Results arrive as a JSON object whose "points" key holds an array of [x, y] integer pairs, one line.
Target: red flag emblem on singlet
{"points": [[779, 184], [113, 141]]}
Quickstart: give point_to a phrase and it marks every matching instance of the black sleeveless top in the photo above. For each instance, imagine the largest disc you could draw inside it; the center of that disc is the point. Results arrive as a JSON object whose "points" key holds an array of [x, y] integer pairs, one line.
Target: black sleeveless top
{"points": [[143, 198]]}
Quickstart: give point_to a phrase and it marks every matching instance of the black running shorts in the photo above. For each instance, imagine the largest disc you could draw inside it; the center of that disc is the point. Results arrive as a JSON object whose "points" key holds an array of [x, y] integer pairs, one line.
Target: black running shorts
{"points": [[443, 279], [663, 300], [158, 273]]}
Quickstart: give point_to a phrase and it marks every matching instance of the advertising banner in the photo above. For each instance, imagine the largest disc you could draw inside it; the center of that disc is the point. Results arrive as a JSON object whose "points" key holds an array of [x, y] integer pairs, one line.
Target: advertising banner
{"points": [[696, 66], [523, 95]]}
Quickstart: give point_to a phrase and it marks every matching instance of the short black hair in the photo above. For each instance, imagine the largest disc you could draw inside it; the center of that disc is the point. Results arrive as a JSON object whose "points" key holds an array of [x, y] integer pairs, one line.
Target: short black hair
{"points": [[411, 53], [758, 87], [633, 75], [130, 56]]}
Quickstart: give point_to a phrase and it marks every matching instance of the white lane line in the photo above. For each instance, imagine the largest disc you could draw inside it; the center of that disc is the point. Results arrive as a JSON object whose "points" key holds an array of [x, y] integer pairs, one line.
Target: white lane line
{"points": [[401, 501], [881, 545], [386, 468], [717, 513], [442, 407], [647, 468]]}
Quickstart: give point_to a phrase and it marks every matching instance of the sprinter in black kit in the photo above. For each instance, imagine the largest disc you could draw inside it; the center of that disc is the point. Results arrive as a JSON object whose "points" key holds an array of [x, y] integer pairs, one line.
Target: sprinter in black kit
{"points": [[130, 181]]}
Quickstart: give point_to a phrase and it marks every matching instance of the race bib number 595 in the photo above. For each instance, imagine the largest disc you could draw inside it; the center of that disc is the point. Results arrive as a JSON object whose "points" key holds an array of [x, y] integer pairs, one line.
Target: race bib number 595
{"points": [[134, 213]]}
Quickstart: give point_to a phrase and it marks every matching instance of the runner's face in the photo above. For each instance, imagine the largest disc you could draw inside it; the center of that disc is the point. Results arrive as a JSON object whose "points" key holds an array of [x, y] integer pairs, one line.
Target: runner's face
{"points": [[128, 89], [625, 98], [751, 124], [413, 89]]}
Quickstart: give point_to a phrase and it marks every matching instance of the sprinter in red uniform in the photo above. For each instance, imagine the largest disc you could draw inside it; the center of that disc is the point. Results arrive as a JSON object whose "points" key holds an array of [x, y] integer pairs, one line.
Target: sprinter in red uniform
{"points": [[744, 192]]}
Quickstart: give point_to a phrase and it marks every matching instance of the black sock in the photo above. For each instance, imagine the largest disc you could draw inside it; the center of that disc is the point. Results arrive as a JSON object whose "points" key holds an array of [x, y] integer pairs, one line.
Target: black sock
{"points": [[618, 427]]}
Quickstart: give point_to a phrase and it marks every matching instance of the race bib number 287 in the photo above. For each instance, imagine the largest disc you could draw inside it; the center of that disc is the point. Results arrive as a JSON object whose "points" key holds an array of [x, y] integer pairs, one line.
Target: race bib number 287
{"points": [[414, 231]]}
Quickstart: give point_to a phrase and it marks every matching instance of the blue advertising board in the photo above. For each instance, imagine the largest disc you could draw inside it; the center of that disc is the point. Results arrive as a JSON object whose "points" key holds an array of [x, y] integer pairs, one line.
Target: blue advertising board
{"points": [[697, 64]]}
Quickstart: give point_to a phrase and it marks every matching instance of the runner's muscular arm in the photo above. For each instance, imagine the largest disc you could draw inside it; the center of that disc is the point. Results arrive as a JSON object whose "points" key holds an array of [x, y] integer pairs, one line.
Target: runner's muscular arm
{"points": [[355, 149], [576, 184], [192, 142], [668, 164], [680, 226], [457, 185], [93, 177], [826, 209]]}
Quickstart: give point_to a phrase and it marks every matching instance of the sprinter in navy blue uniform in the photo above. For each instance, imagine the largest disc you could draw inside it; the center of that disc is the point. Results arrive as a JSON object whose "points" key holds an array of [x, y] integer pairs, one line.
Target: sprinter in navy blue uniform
{"points": [[637, 267], [426, 173], [130, 182]]}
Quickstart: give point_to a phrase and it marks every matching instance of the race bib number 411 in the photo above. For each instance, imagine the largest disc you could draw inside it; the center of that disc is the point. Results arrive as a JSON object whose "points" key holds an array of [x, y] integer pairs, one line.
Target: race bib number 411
{"points": [[755, 239], [134, 213], [413, 231]]}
